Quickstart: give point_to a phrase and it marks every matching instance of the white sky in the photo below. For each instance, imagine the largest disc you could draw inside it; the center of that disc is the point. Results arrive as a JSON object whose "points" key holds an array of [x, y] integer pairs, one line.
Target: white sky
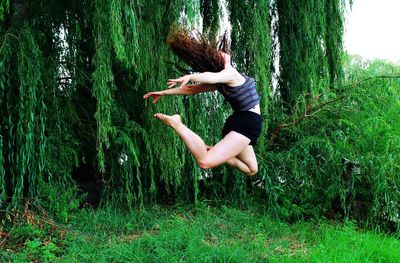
{"points": [[373, 29]]}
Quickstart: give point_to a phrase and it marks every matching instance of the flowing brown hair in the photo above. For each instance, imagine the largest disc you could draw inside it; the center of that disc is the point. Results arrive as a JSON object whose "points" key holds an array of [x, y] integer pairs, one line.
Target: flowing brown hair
{"points": [[196, 50]]}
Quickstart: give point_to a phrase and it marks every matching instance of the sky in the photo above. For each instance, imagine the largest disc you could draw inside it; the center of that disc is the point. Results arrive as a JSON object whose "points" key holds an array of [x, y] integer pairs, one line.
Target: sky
{"points": [[373, 29]]}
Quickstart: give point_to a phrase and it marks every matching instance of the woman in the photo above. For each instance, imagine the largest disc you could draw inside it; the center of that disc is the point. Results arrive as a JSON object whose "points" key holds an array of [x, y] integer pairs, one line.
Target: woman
{"points": [[216, 72]]}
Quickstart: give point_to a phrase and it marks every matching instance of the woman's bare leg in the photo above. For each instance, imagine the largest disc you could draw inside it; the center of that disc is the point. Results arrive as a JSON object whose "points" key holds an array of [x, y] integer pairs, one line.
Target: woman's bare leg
{"points": [[232, 144], [245, 161], [195, 144], [247, 158]]}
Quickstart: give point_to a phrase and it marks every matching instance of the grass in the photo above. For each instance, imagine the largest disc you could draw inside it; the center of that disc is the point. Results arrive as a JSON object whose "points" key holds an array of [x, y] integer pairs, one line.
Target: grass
{"points": [[182, 234]]}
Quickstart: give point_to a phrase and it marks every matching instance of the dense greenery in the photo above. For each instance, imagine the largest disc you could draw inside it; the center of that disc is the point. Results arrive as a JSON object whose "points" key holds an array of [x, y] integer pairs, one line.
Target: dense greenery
{"points": [[343, 154], [72, 78], [182, 234], [310, 47]]}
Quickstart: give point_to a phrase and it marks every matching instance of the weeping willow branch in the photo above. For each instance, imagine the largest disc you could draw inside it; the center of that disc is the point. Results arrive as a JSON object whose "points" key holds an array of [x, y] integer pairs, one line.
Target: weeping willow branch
{"points": [[5, 39], [311, 110]]}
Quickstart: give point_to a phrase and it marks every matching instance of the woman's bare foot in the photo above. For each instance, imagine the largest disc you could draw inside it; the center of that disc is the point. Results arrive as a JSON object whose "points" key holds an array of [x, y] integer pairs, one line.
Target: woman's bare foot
{"points": [[174, 121]]}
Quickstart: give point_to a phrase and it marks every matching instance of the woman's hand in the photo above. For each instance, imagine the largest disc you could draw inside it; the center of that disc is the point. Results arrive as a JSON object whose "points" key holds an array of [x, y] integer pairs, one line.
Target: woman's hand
{"points": [[183, 80], [155, 94]]}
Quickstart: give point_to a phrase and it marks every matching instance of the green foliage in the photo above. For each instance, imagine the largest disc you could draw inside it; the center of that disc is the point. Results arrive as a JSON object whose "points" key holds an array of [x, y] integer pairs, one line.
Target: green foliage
{"points": [[31, 149], [210, 12], [59, 201], [32, 237], [204, 234], [261, 47], [309, 174], [103, 79], [347, 244], [36, 250], [3, 191], [4, 9], [24, 114], [29, 104], [310, 47]]}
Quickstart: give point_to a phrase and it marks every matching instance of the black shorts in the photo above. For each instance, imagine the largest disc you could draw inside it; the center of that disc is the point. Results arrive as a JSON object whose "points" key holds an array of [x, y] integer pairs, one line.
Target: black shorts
{"points": [[247, 123]]}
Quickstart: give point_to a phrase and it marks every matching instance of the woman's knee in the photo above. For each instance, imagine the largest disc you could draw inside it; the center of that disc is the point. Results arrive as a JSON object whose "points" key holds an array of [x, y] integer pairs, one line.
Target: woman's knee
{"points": [[205, 163], [253, 170]]}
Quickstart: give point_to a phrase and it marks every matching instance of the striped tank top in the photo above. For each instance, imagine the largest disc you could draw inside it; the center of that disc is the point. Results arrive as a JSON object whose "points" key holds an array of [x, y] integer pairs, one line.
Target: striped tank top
{"points": [[243, 97]]}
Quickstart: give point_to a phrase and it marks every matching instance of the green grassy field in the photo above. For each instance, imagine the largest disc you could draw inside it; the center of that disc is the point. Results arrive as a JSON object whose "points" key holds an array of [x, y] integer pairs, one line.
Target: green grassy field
{"points": [[203, 234]]}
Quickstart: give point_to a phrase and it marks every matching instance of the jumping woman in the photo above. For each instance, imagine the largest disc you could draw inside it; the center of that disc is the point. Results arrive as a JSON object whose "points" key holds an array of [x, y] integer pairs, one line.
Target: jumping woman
{"points": [[215, 72]]}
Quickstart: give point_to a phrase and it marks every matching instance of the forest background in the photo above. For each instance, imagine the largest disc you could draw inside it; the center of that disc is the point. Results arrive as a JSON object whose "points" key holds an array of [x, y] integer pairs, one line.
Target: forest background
{"points": [[75, 130]]}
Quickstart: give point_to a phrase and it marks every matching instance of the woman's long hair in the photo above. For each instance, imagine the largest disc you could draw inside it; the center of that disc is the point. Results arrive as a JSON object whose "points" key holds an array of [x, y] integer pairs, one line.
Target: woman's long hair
{"points": [[200, 53]]}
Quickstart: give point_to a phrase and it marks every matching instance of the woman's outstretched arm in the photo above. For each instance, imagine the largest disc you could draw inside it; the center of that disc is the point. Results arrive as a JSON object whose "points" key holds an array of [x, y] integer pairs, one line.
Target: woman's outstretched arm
{"points": [[183, 90], [229, 76]]}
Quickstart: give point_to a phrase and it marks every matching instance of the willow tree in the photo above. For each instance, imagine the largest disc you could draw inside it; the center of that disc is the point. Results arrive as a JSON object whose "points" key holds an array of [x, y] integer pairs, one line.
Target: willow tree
{"points": [[310, 47], [72, 77]]}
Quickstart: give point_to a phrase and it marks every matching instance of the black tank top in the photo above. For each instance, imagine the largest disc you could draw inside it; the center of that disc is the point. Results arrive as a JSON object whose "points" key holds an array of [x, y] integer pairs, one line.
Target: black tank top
{"points": [[243, 97]]}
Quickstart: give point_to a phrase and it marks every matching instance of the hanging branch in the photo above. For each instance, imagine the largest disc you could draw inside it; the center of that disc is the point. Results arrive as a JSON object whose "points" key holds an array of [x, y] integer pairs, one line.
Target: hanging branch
{"points": [[311, 110]]}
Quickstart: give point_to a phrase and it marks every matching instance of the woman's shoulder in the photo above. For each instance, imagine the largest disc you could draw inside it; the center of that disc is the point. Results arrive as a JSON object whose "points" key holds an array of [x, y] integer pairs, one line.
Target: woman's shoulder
{"points": [[238, 78]]}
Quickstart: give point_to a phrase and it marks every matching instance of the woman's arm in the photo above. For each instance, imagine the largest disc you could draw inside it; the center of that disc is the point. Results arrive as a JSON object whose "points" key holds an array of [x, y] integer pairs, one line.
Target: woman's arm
{"points": [[200, 88], [190, 89], [183, 90], [228, 76]]}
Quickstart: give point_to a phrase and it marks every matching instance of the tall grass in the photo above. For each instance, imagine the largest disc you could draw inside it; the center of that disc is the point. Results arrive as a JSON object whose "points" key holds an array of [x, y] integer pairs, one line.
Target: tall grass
{"points": [[204, 234]]}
